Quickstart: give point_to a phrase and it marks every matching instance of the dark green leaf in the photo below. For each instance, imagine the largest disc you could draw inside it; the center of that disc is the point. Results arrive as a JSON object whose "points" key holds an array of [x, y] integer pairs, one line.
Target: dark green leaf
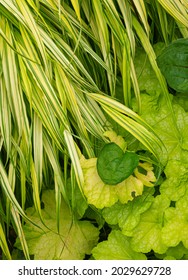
{"points": [[173, 63], [114, 166]]}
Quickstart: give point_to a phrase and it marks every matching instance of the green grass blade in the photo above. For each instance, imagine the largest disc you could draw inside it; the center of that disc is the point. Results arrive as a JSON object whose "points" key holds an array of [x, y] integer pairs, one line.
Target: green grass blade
{"points": [[31, 23], [3, 244], [138, 131], [175, 9], [126, 13], [76, 6], [152, 58], [10, 194], [104, 39], [38, 148], [10, 75], [36, 190], [74, 156], [5, 118], [54, 161], [20, 232], [141, 9], [119, 107]]}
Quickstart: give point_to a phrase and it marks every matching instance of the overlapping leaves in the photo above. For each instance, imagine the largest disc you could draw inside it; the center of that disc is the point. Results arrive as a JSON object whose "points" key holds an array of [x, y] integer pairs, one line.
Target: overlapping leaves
{"points": [[101, 195], [73, 240]]}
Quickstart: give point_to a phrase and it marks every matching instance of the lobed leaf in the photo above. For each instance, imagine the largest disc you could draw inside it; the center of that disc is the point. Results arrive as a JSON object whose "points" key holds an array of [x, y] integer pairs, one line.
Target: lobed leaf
{"points": [[117, 247], [147, 235], [64, 244], [127, 216], [175, 229]]}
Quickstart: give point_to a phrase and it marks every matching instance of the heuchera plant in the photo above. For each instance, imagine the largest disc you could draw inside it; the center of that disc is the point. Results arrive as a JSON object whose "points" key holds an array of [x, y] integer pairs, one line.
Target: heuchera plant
{"points": [[148, 217], [156, 221]]}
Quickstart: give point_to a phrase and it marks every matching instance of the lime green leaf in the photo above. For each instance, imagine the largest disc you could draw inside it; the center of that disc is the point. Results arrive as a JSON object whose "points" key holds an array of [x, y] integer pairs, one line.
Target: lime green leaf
{"points": [[127, 216], [169, 258], [116, 248], [175, 185], [114, 166], [176, 224], [103, 195], [147, 234], [78, 202], [94, 214], [64, 244], [156, 113], [117, 139], [178, 252], [147, 179]]}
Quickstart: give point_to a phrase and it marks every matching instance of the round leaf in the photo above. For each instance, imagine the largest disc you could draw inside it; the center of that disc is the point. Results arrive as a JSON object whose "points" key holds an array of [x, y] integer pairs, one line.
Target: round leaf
{"points": [[114, 166]]}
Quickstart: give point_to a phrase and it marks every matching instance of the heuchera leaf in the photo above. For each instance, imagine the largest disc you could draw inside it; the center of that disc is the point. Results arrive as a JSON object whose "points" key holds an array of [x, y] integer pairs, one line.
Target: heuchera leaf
{"points": [[176, 224], [147, 235], [117, 139], [103, 195], [175, 185], [78, 201], [178, 252], [114, 166], [156, 113], [74, 239], [127, 216], [117, 247]]}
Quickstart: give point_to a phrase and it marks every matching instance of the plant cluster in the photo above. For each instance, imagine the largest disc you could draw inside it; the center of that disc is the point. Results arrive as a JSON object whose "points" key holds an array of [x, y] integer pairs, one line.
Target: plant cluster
{"points": [[93, 129]]}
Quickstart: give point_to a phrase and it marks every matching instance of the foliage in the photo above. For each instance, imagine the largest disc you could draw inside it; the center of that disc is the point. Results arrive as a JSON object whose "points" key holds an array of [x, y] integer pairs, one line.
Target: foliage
{"points": [[77, 76], [116, 248], [114, 166], [102, 194], [63, 243], [173, 65]]}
